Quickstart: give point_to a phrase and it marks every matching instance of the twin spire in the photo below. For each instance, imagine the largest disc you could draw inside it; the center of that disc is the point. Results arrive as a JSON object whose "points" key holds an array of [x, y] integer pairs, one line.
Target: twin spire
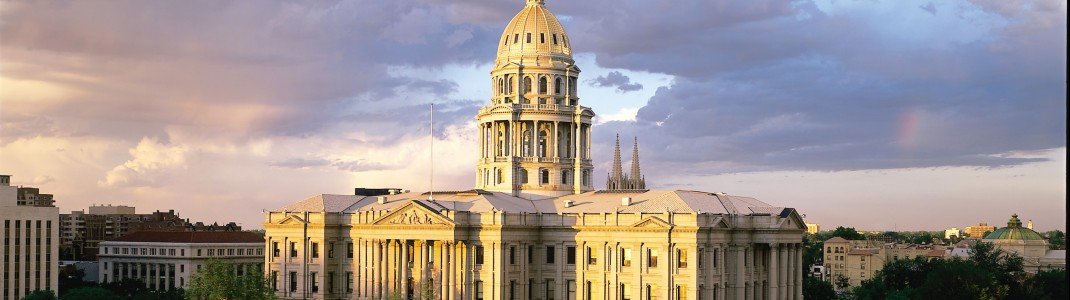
{"points": [[617, 179]]}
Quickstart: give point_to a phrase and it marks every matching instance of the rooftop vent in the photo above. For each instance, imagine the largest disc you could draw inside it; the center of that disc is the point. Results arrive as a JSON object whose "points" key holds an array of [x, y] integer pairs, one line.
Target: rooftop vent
{"points": [[381, 199], [568, 203], [626, 201]]}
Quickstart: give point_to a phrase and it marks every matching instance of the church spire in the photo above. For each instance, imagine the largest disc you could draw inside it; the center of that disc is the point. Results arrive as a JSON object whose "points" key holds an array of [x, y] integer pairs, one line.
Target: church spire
{"points": [[637, 179], [617, 170]]}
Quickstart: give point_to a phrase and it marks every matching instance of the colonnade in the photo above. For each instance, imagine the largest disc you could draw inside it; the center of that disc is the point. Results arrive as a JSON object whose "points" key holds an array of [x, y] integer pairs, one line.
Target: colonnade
{"points": [[530, 139], [782, 278]]}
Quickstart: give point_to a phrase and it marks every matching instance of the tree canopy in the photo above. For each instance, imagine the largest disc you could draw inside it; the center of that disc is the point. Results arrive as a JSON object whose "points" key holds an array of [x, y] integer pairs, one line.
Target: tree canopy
{"points": [[988, 274], [847, 233], [219, 280]]}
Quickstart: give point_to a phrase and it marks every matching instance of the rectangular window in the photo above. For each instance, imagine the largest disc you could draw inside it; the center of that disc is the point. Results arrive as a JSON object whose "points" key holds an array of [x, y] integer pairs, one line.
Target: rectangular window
{"points": [[550, 289], [293, 281], [313, 285], [479, 255], [555, 39], [516, 38], [330, 250], [714, 262], [315, 250], [625, 293], [542, 38], [275, 281], [570, 290], [330, 282], [625, 257], [531, 254], [701, 257], [171, 252], [241, 252], [199, 252], [591, 259], [512, 255], [211, 252], [274, 249], [550, 254], [529, 38], [293, 249], [512, 290], [230, 252], [570, 255], [349, 282], [651, 258], [479, 290], [349, 250], [681, 258], [681, 292]]}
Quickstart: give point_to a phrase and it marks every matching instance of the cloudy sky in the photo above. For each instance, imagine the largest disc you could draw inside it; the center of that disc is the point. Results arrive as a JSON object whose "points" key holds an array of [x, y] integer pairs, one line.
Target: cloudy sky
{"points": [[878, 114]]}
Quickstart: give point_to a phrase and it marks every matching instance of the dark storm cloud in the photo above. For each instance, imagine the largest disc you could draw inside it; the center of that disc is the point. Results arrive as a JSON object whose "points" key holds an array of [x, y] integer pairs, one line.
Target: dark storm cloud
{"points": [[792, 87], [618, 80], [760, 85]]}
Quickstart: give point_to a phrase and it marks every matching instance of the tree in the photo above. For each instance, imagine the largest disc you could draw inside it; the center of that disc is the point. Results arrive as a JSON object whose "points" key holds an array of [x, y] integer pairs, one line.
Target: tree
{"points": [[219, 280], [71, 278], [89, 293], [40, 295], [847, 233], [1056, 239], [961, 279], [817, 289], [1047, 284], [127, 287]]}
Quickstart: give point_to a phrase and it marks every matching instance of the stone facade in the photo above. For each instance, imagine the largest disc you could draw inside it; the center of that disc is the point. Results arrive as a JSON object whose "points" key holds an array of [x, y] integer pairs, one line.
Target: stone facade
{"points": [[534, 227], [167, 260]]}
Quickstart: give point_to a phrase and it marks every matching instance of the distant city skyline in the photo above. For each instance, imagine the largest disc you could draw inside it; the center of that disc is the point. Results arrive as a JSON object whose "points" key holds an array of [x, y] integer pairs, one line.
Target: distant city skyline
{"points": [[908, 115]]}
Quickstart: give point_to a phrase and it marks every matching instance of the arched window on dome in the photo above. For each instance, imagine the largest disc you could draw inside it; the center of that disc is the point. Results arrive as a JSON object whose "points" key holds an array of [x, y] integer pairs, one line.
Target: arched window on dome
{"points": [[542, 38], [543, 85], [557, 85], [527, 85], [554, 36], [544, 176], [523, 173]]}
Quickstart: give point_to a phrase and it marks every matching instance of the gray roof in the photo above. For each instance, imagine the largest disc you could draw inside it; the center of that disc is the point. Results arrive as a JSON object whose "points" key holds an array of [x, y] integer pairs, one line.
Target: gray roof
{"points": [[653, 201]]}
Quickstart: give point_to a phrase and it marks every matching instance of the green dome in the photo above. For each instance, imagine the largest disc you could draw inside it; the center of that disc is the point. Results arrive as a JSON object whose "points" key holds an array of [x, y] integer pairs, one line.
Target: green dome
{"points": [[1014, 231]]}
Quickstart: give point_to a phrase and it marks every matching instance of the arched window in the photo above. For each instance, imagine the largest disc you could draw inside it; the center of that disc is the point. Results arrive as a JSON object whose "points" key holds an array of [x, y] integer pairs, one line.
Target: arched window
{"points": [[543, 85], [523, 176], [544, 176], [510, 85], [498, 177], [527, 143], [542, 142], [501, 86], [557, 86], [501, 141], [527, 85]]}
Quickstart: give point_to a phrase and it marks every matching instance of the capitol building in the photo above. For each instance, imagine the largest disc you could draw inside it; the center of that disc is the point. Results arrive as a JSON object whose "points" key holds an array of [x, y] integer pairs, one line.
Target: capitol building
{"points": [[534, 226]]}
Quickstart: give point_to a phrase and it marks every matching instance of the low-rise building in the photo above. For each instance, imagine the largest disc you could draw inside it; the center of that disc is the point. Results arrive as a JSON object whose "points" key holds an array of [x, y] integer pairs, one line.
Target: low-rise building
{"points": [[167, 260], [812, 228], [858, 260], [30, 241], [979, 230], [952, 232], [82, 231]]}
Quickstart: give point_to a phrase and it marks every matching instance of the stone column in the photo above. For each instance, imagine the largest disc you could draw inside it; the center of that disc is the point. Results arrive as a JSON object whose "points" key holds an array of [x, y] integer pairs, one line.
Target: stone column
{"points": [[791, 266], [405, 268], [797, 272], [741, 275], [782, 274], [774, 270], [556, 140]]}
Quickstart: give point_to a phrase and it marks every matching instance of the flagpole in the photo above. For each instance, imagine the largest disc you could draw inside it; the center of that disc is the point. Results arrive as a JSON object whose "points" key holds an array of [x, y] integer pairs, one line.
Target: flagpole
{"points": [[431, 196]]}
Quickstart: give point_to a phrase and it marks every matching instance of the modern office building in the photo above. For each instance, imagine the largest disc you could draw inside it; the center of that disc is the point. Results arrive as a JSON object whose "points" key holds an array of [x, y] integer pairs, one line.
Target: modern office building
{"points": [[30, 243], [535, 227], [978, 231], [167, 259]]}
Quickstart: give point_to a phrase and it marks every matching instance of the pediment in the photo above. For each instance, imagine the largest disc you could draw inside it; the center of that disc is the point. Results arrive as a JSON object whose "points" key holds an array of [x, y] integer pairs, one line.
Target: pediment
{"points": [[413, 214], [652, 222], [501, 109], [720, 223], [792, 221], [291, 220]]}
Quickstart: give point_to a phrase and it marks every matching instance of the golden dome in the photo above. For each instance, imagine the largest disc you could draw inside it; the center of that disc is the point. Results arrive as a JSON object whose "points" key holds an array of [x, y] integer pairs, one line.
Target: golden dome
{"points": [[534, 31]]}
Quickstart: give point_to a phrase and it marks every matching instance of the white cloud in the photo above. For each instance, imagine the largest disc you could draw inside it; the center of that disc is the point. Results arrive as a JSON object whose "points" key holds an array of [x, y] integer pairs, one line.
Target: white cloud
{"points": [[148, 159]]}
